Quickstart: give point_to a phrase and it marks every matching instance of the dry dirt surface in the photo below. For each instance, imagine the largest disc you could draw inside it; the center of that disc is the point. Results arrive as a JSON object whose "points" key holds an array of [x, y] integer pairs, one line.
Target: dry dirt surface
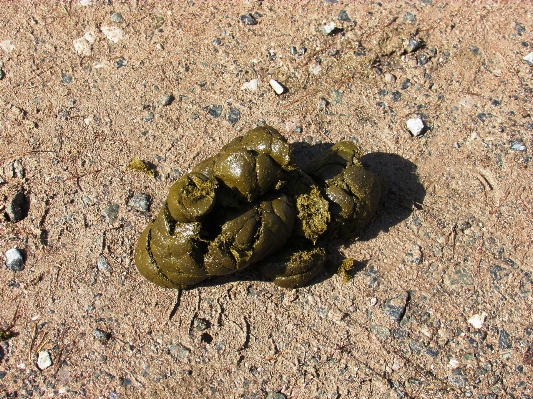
{"points": [[440, 305]]}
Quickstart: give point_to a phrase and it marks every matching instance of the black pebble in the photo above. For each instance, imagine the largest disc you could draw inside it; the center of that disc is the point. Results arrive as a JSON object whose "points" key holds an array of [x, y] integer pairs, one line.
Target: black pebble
{"points": [[248, 19], [396, 96]]}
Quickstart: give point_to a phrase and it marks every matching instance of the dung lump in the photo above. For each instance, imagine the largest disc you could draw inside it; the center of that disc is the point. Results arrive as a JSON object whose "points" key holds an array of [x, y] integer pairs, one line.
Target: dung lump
{"points": [[250, 204]]}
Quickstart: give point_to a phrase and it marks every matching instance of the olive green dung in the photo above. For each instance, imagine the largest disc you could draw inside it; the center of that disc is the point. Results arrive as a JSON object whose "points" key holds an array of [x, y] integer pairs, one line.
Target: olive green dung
{"points": [[250, 204]]}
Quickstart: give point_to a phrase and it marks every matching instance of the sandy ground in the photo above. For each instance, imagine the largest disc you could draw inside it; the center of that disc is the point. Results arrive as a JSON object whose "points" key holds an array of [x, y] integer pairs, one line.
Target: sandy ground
{"points": [[440, 306]]}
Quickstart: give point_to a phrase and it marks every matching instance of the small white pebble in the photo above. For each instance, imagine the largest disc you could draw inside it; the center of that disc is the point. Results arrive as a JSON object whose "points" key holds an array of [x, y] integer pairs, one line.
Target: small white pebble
{"points": [[315, 68], [477, 320], [251, 85], [44, 361], [14, 260], [529, 59], [113, 33], [86, 3], [415, 126], [82, 47], [276, 86], [390, 78], [90, 36], [327, 29], [453, 363], [7, 45]]}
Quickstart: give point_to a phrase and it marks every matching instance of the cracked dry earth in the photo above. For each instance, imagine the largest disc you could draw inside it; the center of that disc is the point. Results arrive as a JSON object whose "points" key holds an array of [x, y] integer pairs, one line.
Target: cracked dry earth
{"points": [[440, 303]]}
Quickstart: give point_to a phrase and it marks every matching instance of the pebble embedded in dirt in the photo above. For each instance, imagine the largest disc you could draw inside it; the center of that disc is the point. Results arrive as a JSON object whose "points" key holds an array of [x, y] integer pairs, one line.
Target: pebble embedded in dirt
{"points": [[140, 202], [117, 17], [529, 59], [14, 260], [278, 88], [416, 126], [395, 307], [343, 16], [101, 335], [111, 213], [166, 100], [248, 19], [103, 264], [44, 360]]}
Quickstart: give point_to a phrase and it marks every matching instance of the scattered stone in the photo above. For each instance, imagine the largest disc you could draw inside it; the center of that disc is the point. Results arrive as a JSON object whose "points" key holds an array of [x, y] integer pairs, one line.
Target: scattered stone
{"points": [[103, 265], [380, 331], [117, 17], [166, 100], [179, 351], [140, 202], [343, 16], [214, 110], [113, 33], [275, 395], [459, 276], [149, 117], [111, 213], [416, 347], [415, 126], [66, 78], [14, 260], [431, 352], [519, 28], [251, 85], [409, 17], [329, 29], [528, 59], [248, 19], [337, 96], [217, 41], [82, 46], [504, 340], [121, 62], [457, 378], [406, 83], [101, 335], [395, 307], [234, 116], [315, 68], [396, 96], [7, 46], [322, 104], [477, 320], [294, 50], [517, 146], [44, 361], [389, 77], [278, 88], [413, 44], [2, 180], [18, 207], [423, 59]]}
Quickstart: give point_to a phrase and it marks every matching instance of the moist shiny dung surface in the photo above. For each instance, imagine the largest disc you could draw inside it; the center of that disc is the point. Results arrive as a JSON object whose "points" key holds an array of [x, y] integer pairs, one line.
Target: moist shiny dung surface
{"points": [[250, 204]]}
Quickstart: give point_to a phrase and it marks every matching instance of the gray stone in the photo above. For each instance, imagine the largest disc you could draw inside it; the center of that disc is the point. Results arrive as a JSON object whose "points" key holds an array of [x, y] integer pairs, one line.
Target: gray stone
{"points": [[179, 351], [18, 169], [380, 331], [275, 395], [413, 44], [395, 307], [248, 19], [103, 265], [101, 335], [504, 340], [517, 145], [343, 16], [140, 202], [457, 379], [111, 212], [44, 361], [214, 110], [18, 207], [166, 100], [234, 116], [14, 260], [117, 17], [528, 59]]}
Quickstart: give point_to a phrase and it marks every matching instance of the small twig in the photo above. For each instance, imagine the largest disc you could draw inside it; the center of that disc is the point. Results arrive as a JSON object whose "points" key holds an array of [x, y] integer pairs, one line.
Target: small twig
{"points": [[176, 306], [32, 341]]}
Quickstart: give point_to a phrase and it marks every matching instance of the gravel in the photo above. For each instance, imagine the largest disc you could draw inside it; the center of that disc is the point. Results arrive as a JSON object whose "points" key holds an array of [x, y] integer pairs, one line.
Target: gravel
{"points": [[234, 116], [101, 335], [343, 16], [528, 59], [14, 260], [395, 307], [328, 29], [166, 100], [44, 361], [248, 19], [415, 126], [111, 212], [103, 264], [214, 110], [140, 202], [117, 17]]}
